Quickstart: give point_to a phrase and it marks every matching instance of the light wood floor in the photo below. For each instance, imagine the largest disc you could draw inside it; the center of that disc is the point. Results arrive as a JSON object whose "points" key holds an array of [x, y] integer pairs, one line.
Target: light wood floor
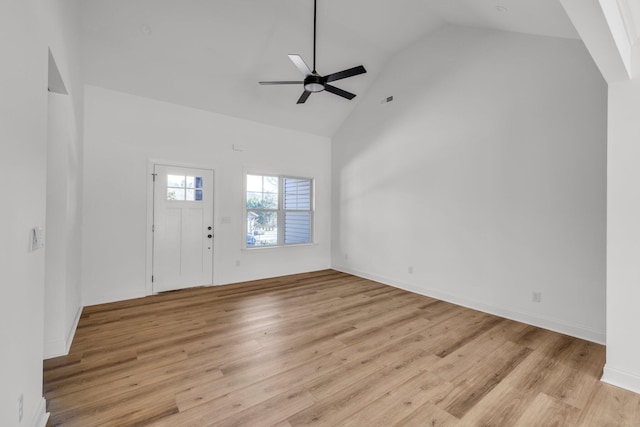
{"points": [[323, 348]]}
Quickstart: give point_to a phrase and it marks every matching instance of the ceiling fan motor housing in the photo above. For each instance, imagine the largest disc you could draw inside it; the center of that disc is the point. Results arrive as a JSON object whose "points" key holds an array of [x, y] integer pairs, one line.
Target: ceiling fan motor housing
{"points": [[314, 83]]}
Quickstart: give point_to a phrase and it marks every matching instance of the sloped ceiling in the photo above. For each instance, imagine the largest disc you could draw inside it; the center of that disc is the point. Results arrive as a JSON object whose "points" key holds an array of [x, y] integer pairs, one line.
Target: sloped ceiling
{"points": [[630, 11], [210, 54]]}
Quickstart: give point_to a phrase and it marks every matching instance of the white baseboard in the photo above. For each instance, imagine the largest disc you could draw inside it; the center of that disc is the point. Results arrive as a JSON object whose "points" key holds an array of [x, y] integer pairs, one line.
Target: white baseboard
{"points": [[577, 331], [54, 348], [61, 347], [621, 379], [41, 416], [72, 330], [89, 300]]}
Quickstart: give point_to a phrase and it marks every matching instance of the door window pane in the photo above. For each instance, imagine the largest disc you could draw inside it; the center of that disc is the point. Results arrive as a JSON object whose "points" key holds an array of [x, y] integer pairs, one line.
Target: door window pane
{"points": [[185, 188], [175, 181], [175, 194], [194, 181], [194, 195]]}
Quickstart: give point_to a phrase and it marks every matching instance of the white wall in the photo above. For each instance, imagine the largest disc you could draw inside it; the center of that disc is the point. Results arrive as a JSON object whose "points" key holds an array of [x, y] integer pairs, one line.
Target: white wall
{"points": [[623, 207], [58, 135], [623, 236], [63, 223], [486, 174], [124, 132], [23, 107], [28, 29], [63, 299]]}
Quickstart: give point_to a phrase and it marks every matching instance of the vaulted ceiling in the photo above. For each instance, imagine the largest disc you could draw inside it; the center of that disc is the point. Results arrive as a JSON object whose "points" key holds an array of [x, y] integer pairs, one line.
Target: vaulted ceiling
{"points": [[210, 54]]}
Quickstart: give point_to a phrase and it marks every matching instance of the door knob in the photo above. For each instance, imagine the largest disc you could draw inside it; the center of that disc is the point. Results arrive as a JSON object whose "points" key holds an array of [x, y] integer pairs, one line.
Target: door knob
{"points": [[210, 235], [209, 228]]}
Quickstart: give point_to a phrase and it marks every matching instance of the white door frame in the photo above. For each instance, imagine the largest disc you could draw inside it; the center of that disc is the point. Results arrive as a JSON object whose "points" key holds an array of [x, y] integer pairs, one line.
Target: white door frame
{"points": [[150, 199]]}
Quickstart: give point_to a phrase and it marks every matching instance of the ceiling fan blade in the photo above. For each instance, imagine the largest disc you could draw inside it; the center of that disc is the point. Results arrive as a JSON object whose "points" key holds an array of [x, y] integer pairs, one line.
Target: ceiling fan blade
{"points": [[285, 82], [303, 97], [299, 62], [339, 92], [345, 73]]}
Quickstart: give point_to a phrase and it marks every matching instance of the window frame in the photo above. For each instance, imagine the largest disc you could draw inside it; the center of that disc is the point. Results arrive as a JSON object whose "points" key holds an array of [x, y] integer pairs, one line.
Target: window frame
{"points": [[280, 211]]}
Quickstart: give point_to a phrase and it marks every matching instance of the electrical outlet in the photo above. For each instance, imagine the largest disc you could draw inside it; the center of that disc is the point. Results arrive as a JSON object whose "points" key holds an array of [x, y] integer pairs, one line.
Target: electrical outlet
{"points": [[20, 407], [346, 257], [537, 296], [410, 269]]}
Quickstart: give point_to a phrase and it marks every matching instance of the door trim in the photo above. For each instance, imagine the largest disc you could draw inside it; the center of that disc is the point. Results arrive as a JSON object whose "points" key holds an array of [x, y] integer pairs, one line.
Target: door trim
{"points": [[151, 163]]}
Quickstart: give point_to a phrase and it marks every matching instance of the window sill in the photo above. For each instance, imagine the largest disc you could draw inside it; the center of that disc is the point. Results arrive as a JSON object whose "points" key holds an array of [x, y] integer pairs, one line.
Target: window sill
{"points": [[261, 248]]}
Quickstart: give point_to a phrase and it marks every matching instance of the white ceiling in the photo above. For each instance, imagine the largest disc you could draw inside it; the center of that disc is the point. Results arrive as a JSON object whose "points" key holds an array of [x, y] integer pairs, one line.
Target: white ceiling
{"points": [[630, 11], [210, 54]]}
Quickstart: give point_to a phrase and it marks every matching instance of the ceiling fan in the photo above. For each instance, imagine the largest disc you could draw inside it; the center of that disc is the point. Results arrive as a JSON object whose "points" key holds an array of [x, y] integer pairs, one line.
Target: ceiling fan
{"points": [[314, 82]]}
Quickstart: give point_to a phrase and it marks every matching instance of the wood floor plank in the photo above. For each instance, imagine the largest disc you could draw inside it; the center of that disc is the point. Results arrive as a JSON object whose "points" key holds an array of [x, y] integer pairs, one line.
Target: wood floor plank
{"points": [[323, 348], [343, 402], [428, 415], [152, 401], [503, 406], [401, 401], [270, 412], [344, 376], [260, 391], [475, 385], [146, 375], [545, 411], [611, 406], [475, 353]]}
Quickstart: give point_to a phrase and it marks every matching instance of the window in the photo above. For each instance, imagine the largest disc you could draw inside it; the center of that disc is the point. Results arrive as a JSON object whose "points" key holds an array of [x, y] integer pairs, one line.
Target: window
{"points": [[279, 210], [184, 188]]}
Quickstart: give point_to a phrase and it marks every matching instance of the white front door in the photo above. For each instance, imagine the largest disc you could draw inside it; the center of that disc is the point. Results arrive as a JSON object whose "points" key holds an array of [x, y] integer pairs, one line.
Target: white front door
{"points": [[182, 228]]}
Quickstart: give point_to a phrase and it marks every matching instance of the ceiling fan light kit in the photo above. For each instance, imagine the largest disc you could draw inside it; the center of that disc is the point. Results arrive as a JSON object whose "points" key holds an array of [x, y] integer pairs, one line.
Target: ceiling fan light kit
{"points": [[314, 82]]}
